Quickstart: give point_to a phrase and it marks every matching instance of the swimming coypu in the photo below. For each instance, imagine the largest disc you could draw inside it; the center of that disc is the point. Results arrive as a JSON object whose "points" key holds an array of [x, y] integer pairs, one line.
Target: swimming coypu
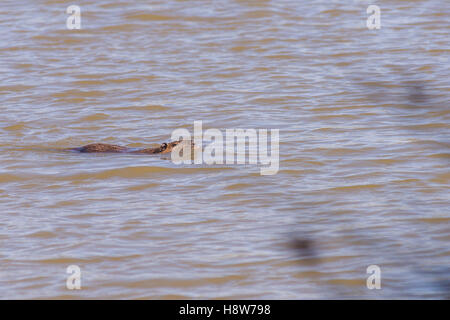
{"points": [[111, 148]]}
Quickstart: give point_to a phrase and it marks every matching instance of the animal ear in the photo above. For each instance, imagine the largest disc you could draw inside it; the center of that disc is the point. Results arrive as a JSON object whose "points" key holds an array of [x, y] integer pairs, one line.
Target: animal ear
{"points": [[164, 146]]}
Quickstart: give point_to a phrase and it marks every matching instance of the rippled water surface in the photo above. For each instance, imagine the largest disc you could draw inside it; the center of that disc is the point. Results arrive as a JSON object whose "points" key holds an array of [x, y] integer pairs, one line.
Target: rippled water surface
{"points": [[364, 149]]}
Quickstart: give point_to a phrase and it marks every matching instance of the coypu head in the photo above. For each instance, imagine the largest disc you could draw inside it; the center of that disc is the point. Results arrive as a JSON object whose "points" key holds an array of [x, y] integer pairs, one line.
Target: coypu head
{"points": [[168, 147]]}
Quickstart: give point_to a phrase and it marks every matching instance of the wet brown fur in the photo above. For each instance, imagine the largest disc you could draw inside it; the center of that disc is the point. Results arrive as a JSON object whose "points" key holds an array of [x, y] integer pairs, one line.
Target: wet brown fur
{"points": [[111, 148]]}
